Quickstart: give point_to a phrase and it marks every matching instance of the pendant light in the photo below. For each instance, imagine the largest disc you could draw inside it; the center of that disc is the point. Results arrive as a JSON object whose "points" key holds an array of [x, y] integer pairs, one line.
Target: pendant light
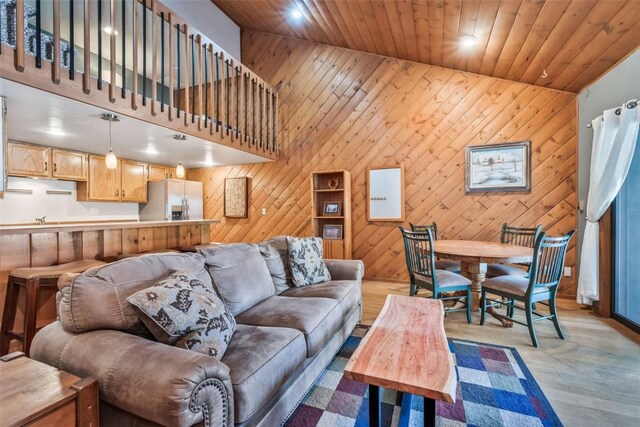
{"points": [[111, 160], [179, 168]]}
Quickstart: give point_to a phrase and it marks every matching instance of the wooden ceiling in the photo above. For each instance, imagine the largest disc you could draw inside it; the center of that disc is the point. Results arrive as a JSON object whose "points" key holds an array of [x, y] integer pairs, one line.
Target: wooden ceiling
{"points": [[575, 42]]}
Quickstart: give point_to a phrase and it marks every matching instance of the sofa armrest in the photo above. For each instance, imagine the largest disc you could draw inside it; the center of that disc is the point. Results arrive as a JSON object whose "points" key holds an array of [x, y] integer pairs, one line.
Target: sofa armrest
{"points": [[158, 382], [341, 269]]}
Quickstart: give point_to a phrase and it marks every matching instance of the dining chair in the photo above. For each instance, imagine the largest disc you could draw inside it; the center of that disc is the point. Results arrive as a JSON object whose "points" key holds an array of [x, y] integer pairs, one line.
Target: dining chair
{"points": [[541, 286], [423, 274], [519, 236], [441, 264]]}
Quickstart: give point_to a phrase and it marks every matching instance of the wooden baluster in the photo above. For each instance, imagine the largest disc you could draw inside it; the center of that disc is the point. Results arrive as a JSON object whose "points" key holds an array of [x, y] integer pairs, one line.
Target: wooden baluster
{"points": [[199, 82], [187, 83], [171, 70], [162, 61], [217, 86], [38, 33], [55, 65], [253, 111], [230, 96], [261, 101], [227, 90], [245, 78], [112, 53], [267, 104], [144, 53], [214, 91], [192, 68], [274, 123], [19, 52], [134, 55], [206, 85], [123, 66], [179, 73], [99, 30], [237, 84], [86, 77], [72, 42], [154, 59]]}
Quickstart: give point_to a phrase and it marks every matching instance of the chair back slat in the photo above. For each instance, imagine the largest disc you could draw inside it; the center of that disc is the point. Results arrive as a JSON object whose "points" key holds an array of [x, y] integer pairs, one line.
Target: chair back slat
{"points": [[423, 229], [548, 260], [520, 236], [418, 250]]}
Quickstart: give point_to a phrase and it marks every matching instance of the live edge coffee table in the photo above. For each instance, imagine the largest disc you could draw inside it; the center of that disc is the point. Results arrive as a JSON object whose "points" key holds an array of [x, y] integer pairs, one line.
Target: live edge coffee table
{"points": [[406, 350]]}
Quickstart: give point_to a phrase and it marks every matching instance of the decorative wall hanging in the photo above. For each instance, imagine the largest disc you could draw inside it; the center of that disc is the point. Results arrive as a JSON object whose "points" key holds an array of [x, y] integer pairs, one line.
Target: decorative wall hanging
{"points": [[236, 197], [332, 209], [385, 193], [332, 232], [498, 167]]}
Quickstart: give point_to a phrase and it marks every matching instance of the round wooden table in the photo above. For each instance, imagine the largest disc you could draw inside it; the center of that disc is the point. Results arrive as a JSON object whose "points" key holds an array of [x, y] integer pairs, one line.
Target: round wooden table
{"points": [[474, 257]]}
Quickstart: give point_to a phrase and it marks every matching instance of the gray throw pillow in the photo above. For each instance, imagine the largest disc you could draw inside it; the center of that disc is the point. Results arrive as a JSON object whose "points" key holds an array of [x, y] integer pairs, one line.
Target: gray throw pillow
{"points": [[181, 310], [305, 261], [239, 274], [276, 255]]}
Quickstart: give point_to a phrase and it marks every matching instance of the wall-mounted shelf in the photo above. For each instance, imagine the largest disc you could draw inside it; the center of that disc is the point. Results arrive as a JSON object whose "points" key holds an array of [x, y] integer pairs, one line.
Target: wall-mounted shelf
{"points": [[322, 193]]}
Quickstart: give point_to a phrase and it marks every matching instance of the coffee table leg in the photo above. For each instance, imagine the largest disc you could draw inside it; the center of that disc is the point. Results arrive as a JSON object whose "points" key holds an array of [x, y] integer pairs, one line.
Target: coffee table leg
{"points": [[429, 412], [374, 405]]}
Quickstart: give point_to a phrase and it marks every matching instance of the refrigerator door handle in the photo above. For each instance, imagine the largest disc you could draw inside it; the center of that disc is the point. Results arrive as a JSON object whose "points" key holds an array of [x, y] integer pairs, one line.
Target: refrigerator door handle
{"points": [[186, 204]]}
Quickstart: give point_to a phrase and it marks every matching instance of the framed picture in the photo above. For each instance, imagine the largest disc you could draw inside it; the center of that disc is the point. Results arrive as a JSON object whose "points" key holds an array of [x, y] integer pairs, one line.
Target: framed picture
{"points": [[332, 209], [385, 193], [498, 167], [236, 197], [332, 232]]}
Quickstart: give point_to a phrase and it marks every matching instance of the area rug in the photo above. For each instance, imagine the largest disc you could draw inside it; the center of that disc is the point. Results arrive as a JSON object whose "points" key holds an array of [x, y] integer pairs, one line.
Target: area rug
{"points": [[495, 388]]}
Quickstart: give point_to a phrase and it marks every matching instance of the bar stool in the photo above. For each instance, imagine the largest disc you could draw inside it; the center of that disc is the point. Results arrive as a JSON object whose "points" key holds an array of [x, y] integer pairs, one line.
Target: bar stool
{"points": [[32, 278]]}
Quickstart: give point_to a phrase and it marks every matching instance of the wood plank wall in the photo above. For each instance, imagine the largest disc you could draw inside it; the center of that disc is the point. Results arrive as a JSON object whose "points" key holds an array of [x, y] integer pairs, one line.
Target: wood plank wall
{"points": [[341, 108], [45, 249]]}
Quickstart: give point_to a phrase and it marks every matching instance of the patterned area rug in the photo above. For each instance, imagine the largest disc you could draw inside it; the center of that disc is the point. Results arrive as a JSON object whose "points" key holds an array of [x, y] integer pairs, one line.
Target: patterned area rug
{"points": [[495, 388]]}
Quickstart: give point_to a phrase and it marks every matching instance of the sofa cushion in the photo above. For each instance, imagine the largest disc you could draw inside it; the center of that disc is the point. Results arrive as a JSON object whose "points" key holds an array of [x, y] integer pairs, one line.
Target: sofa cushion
{"points": [[240, 275], [96, 299], [275, 254], [346, 292], [316, 318], [260, 360], [306, 262], [180, 310]]}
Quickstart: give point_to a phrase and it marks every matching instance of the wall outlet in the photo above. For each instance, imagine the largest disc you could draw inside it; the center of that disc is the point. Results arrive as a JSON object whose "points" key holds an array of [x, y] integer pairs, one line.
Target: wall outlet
{"points": [[567, 271], [93, 211], [264, 211]]}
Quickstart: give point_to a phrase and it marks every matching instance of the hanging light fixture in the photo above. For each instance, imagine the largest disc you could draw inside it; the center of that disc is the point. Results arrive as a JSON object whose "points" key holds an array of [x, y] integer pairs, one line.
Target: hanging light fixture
{"points": [[179, 168], [111, 160]]}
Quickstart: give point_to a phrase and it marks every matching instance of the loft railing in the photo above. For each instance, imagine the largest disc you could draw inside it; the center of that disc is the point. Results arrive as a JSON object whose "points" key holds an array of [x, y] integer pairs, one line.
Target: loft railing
{"points": [[138, 58]]}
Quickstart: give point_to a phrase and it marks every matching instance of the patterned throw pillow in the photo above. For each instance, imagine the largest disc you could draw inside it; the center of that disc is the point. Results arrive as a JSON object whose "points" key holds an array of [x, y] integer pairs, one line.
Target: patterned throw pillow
{"points": [[181, 310], [305, 261]]}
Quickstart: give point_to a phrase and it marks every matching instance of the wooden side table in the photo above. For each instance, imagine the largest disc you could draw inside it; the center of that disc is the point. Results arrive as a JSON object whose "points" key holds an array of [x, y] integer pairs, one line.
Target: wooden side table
{"points": [[35, 394]]}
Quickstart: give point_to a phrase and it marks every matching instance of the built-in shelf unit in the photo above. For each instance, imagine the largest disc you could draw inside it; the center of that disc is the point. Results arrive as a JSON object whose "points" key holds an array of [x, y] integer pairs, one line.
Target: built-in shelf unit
{"points": [[323, 192]]}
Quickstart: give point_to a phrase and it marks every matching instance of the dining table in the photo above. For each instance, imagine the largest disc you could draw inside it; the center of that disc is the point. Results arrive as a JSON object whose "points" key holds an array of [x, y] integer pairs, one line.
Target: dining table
{"points": [[474, 255]]}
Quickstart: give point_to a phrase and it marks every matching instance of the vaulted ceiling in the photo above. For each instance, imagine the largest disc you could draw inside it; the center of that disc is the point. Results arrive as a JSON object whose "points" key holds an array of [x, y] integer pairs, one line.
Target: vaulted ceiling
{"points": [[560, 44]]}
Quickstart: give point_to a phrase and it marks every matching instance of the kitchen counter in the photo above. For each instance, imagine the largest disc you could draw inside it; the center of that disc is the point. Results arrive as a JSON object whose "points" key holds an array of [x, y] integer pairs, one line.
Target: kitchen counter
{"points": [[88, 226]]}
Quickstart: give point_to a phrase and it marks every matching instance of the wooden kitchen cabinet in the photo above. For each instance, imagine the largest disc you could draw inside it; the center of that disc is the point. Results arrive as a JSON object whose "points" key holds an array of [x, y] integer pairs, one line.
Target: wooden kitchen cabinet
{"points": [[27, 160], [69, 165], [103, 185], [159, 172], [133, 178]]}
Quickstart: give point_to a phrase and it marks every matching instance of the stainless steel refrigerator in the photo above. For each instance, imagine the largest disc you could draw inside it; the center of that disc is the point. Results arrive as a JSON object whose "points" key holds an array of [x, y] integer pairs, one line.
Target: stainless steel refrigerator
{"points": [[172, 200]]}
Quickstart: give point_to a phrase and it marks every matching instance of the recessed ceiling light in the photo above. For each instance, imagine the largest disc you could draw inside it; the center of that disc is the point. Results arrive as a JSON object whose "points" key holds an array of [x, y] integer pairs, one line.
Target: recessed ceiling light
{"points": [[55, 132], [296, 14], [110, 30], [468, 41], [151, 150]]}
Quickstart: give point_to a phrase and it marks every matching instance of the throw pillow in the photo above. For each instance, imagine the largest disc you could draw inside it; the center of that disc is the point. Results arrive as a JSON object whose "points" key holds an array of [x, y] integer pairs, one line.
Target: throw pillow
{"points": [[305, 261], [276, 256], [181, 310]]}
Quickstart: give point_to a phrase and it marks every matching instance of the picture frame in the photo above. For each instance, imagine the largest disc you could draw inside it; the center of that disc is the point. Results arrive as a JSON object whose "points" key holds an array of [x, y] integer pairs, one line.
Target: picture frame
{"points": [[236, 197], [332, 232], [385, 193], [332, 209], [498, 168]]}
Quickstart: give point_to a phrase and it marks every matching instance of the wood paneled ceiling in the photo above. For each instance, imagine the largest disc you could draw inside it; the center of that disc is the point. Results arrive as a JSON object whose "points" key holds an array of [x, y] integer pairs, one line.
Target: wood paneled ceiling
{"points": [[575, 41]]}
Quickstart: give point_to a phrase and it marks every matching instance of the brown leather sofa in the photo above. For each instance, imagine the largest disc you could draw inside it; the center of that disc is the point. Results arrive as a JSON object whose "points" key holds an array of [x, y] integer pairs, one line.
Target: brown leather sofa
{"points": [[281, 344]]}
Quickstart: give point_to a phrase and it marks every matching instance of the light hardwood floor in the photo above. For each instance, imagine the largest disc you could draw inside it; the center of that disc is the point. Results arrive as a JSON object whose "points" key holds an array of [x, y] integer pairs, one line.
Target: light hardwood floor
{"points": [[592, 378]]}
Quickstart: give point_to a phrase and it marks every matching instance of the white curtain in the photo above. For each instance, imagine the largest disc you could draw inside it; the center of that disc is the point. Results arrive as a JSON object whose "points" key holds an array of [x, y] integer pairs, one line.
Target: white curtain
{"points": [[614, 141]]}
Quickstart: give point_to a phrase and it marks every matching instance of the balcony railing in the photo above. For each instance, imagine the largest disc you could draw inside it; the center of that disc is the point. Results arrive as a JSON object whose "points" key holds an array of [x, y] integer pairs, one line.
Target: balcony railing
{"points": [[137, 58]]}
